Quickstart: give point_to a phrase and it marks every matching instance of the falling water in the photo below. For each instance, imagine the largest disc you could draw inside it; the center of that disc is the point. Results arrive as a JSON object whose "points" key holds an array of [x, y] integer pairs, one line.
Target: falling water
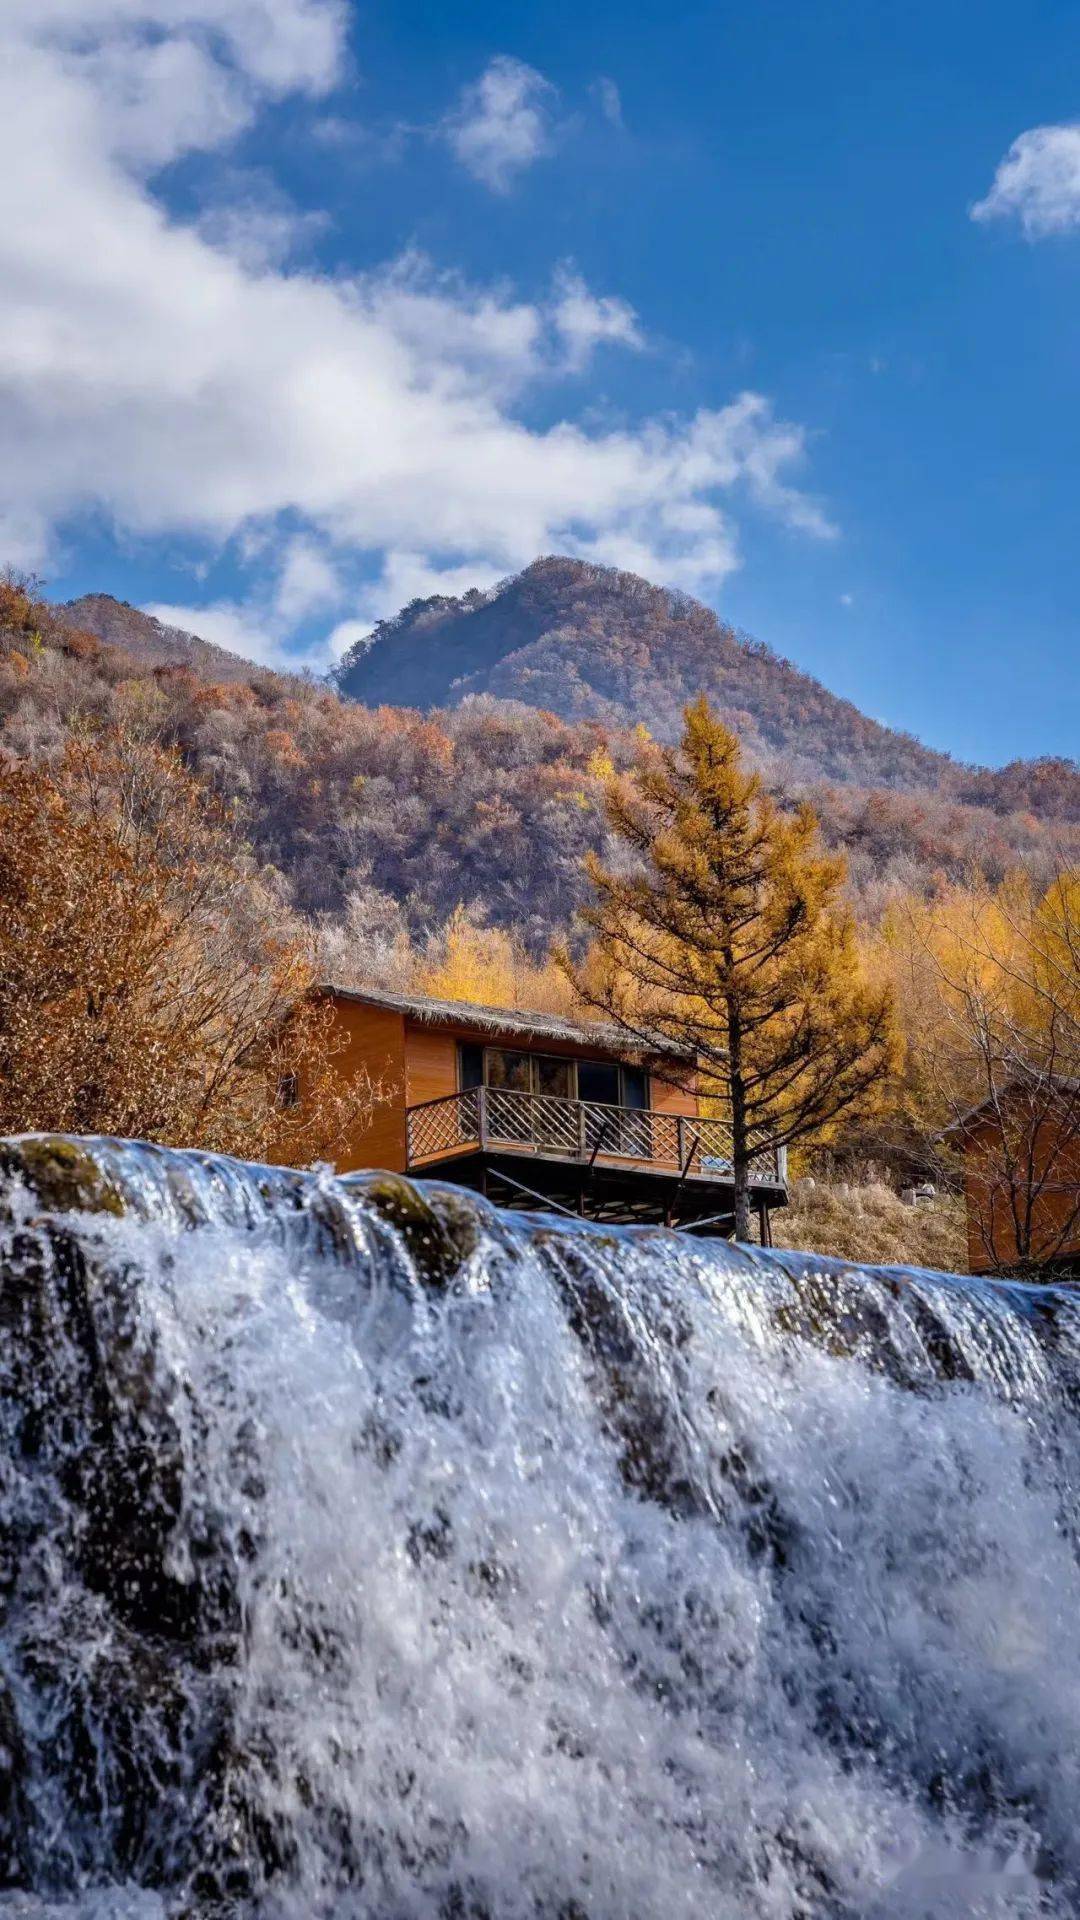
{"points": [[367, 1552]]}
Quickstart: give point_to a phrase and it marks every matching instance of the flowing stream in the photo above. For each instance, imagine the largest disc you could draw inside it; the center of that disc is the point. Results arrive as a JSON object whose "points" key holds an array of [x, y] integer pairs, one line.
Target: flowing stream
{"points": [[367, 1552]]}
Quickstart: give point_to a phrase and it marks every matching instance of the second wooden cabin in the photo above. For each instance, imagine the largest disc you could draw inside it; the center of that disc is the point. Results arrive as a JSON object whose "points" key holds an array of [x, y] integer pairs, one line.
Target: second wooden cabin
{"points": [[1021, 1176]]}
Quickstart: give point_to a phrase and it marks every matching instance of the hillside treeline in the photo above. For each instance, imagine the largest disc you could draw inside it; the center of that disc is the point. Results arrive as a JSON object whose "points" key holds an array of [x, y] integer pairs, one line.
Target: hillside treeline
{"points": [[388, 820]]}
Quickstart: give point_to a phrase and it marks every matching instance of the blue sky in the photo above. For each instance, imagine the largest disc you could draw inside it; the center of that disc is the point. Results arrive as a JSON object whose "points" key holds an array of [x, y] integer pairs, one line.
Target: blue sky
{"points": [[307, 307]]}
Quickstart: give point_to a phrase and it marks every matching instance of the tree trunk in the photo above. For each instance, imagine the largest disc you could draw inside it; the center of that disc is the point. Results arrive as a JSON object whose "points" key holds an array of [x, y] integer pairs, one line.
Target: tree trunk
{"points": [[742, 1196], [740, 1145]]}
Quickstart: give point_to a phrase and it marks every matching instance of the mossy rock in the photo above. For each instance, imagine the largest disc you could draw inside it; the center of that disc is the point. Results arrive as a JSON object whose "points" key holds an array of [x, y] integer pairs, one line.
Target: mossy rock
{"points": [[61, 1173], [439, 1233]]}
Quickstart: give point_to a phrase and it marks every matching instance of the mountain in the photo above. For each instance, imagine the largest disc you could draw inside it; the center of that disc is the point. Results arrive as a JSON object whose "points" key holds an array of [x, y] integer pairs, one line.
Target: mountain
{"points": [[590, 643]]}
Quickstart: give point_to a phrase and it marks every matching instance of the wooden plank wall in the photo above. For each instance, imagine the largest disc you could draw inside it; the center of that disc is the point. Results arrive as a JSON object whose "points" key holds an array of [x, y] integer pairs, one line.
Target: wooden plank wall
{"points": [[430, 1063], [989, 1218], [375, 1040], [664, 1098]]}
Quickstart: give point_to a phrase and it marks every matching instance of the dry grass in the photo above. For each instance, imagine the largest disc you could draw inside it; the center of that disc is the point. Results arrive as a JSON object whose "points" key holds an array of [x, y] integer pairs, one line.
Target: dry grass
{"points": [[870, 1223]]}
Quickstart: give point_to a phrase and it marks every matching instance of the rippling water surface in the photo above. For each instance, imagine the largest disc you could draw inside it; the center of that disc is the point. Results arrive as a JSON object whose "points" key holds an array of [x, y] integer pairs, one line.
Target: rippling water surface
{"points": [[366, 1552]]}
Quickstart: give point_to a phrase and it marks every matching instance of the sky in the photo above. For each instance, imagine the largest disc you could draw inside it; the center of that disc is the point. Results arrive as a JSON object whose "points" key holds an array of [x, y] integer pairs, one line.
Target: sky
{"points": [[310, 307]]}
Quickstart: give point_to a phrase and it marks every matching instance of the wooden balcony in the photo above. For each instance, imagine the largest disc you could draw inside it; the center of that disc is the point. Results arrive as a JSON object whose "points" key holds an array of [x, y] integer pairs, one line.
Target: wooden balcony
{"points": [[613, 1163]]}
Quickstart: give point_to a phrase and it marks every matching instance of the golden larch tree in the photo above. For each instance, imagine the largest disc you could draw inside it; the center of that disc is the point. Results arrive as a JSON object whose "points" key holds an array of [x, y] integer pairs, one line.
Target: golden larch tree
{"points": [[996, 1044], [489, 966], [720, 927]]}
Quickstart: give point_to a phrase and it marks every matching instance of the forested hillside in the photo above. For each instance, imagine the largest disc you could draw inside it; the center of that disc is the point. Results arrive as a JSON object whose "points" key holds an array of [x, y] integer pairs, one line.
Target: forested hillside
{"points": [[595, 644], [384, 820]]}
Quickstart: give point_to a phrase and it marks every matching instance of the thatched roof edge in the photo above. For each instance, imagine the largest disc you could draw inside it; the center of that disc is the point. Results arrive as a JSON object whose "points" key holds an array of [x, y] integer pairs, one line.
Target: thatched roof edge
{"points": [[522, 1022], [1062, 1083]]}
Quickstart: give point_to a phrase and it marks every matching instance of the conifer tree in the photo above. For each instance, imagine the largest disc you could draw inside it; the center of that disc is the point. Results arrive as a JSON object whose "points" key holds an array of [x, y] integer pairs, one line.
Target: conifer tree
{"points": [[720, 927]]}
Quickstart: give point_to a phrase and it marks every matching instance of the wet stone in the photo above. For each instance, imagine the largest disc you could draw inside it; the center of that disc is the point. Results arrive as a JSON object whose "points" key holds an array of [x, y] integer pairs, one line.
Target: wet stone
{"points": [[440, 1227], [61, 1175]]}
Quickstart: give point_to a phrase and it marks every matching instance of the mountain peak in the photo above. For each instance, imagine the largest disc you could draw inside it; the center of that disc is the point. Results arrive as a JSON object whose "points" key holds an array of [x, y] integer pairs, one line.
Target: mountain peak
{"points": [[590, 642], [119, 624]]}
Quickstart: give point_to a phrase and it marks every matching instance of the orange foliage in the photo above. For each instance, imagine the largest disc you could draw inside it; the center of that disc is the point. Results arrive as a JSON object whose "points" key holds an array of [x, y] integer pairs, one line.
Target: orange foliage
{"points": [[140, 992], [488, 967], [279, 742]]}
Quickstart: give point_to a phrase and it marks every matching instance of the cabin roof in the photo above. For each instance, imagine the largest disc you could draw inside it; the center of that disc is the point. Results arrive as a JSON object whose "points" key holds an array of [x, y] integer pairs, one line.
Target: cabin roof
{"points": [[521, 1022], [1061, 1083]]}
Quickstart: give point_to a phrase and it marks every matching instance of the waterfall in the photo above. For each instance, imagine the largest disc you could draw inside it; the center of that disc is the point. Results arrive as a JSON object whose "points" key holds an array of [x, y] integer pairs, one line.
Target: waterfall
{"points": [[365, 1551]]}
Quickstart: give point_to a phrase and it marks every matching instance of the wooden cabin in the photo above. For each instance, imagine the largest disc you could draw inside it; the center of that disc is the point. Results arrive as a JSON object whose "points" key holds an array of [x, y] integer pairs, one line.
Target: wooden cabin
{"points": [[538, 1112], [1021, 1176]]}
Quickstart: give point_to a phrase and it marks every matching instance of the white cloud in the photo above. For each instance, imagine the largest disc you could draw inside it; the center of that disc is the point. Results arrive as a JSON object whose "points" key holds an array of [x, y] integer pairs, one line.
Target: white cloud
{"points": [[308, 583], [586, 322], [225, 624], [172, 382], [610, 101], [503, 122], [1037, 183], [496, 342], [259, 627], [345, 635], [251, 219], [847, 599], [163, 98], [404, 577], [276, 46], [410, 576], [158, 78]]}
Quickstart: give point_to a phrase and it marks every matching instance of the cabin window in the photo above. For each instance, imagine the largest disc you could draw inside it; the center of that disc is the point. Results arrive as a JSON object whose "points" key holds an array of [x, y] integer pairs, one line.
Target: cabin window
{"points": [[601, 1082], [598, 1080], [612, 1086], [542, 1073], [635, 1087], [553, 1076], [512, 1071], [470, 1066]]}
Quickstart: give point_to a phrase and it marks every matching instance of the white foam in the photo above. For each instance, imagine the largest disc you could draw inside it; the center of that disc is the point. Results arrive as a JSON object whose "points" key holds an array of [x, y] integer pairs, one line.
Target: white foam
{"points": [[817, 1656]]}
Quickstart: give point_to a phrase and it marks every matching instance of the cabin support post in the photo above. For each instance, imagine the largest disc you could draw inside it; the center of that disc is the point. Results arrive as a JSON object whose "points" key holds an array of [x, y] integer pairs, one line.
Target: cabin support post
{"points": [[669, 1216], [547, 1203], [601, 1135]]}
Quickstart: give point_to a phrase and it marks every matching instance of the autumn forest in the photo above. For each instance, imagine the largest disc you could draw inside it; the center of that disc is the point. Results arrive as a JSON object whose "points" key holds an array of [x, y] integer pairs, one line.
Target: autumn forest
{"points": [[260, 831]]}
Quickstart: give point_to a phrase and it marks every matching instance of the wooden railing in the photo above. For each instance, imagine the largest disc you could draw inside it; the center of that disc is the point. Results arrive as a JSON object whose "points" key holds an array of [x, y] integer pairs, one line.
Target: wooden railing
{"points": [[577, 1130]]}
